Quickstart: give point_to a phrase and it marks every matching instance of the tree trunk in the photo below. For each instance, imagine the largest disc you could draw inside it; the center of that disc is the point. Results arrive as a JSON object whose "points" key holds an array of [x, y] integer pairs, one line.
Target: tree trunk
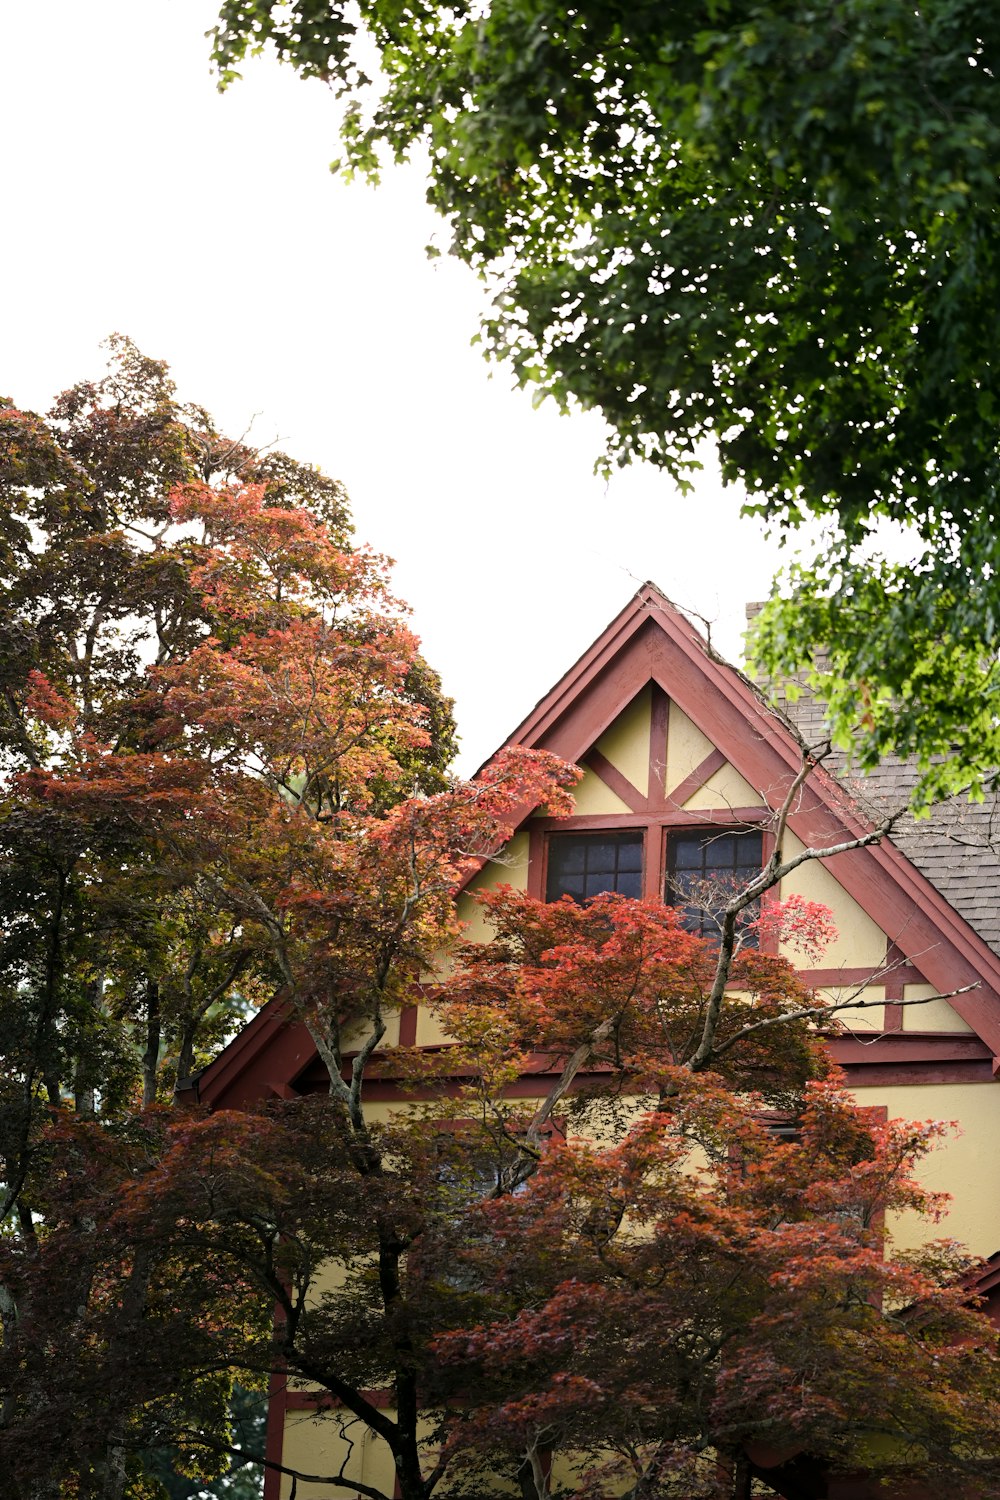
{"points": [[133, 1303], [115, 1474], [151, 1056], [185, 1057], [409, 1478]]}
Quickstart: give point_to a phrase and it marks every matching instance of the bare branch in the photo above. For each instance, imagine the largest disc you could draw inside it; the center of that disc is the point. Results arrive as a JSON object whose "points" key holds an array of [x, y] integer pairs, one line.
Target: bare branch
{"points": [[774, 871], [815, 1012], [571, 1068], [356, 1486]]}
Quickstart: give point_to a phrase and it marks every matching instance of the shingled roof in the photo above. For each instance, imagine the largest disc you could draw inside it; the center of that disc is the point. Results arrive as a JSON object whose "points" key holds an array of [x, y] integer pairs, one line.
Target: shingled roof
{"points": [[956, 847]]}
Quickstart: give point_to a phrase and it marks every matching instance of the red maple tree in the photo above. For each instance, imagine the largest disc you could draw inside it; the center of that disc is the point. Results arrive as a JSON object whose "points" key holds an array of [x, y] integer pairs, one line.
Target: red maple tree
{"points": [[574, 1256], [620, 1280]]}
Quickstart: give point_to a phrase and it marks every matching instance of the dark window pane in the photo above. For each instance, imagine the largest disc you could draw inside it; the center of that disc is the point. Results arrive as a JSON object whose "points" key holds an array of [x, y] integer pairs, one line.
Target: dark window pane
{"points": [[582, 865], [720, 852], [687, 852], [704, 869], [568, 855], [601, 857]]}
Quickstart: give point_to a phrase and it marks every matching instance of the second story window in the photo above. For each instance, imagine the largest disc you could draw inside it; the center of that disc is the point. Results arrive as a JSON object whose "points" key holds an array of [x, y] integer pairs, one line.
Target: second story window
{"points": [[704, 869], [583, 865]]}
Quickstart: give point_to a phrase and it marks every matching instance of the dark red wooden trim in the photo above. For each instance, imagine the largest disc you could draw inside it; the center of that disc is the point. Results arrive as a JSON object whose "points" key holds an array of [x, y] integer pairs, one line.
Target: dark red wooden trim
{"points": [[955, 1055], [654, 863], [909, 1047], [408, 1025], [894, 956], [676, 818], [273, 1049], [889, 1075], [307, 1400], [846, 978], [386, 1090], [894, 985], [659, 723], [615, 781], [281, 1090], [939, 1049], [537, 855], [696, 779], [911, 1044], [984, 1278]]}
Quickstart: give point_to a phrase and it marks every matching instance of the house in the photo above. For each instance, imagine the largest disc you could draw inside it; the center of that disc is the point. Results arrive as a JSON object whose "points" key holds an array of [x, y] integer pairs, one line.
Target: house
{"points": [[684, 766]]}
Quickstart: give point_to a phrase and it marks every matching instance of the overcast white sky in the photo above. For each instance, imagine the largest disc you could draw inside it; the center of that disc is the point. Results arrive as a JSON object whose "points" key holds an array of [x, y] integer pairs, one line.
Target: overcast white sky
{"points": [[207, 226]]}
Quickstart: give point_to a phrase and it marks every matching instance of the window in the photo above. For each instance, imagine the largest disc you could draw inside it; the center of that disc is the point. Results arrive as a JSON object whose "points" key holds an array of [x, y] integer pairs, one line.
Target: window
{"points": [[705, 868], [785, 1129], [584, 865]]}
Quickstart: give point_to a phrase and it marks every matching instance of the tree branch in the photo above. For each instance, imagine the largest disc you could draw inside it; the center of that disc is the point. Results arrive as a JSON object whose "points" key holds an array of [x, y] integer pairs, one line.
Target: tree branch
{"points": [[356, 1486], [807, 1013], [775, 870]]}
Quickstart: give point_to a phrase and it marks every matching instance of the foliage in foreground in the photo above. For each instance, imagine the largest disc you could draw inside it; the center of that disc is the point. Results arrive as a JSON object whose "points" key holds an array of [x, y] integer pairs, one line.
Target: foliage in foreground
{"points": [[228, 791], [620, 1286], [772, 225], [189, 641], [205, 687]]}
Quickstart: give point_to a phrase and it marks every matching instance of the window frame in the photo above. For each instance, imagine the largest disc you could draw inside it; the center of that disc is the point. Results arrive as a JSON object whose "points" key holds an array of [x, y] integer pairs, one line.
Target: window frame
{"points": [[705, 837], [655, 828], [594, 834]]}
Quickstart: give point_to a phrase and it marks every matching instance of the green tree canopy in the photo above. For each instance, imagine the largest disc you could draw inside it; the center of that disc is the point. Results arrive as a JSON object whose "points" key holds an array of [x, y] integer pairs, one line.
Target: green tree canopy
{"points": [[770, 224]]}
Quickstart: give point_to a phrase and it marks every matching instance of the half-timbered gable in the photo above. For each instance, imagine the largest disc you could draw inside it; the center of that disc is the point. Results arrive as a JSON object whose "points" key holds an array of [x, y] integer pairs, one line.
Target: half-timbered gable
{"points": [[685, 764]]}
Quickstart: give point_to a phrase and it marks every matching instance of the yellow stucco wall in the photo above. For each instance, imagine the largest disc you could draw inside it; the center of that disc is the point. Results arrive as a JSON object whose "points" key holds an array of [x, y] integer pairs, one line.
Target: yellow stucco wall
{"points": [[626, 743], [862, 1021], [512, 870], [860, 943], [430, 1031], [316, 1445], [959, 1167], [687, 747], [937, 1015], [726, 789], [593, 796]]}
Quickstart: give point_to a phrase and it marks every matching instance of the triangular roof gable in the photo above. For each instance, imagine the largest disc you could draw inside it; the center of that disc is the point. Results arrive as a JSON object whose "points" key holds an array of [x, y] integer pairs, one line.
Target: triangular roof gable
{"points": [[650, 641], [984, 1283]]}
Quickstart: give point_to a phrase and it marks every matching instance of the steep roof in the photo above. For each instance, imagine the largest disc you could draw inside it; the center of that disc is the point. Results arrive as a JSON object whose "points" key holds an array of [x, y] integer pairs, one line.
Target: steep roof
{"points": [[650, 641], [956, 846]]}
